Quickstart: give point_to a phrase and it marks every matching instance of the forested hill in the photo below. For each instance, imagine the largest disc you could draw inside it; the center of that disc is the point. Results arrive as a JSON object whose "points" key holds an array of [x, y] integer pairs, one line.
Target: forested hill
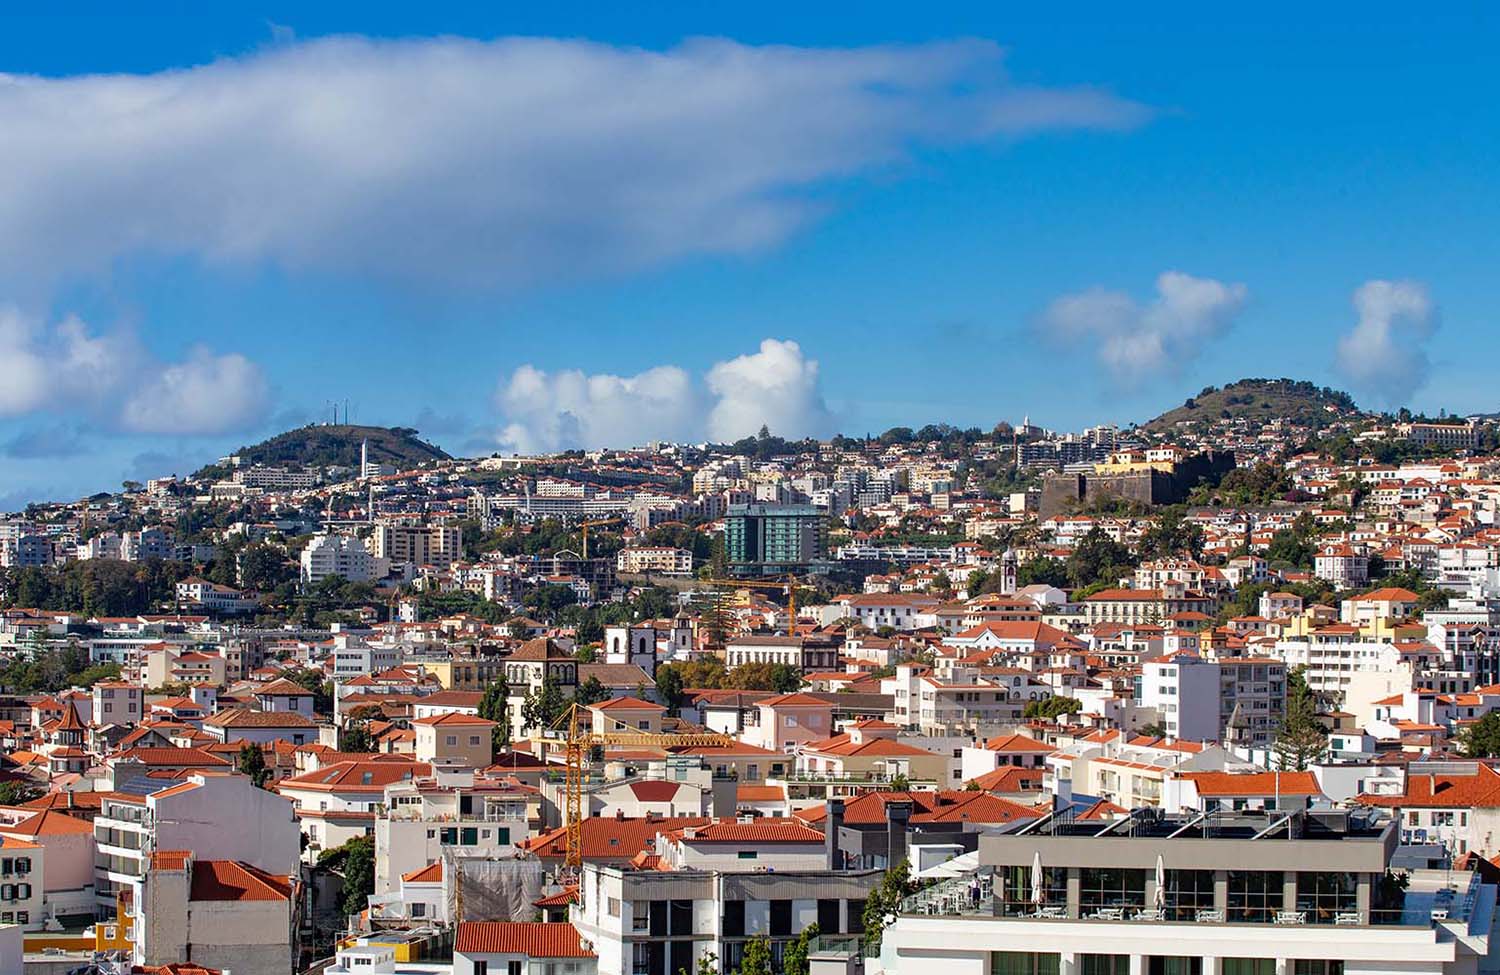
{"points": [[1261, 399], [322, 445]]}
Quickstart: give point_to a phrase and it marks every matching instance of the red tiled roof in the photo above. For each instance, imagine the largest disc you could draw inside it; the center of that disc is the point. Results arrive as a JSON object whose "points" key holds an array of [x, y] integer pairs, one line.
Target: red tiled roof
{"points": [[627, 704], [609, 839], [1254, 783], [1017, 743], [756, 831], [1482, 789], [948, 806], [49, 823], [534, 939], [166, 756], [654, 790], [430, 874], [230, 880]]}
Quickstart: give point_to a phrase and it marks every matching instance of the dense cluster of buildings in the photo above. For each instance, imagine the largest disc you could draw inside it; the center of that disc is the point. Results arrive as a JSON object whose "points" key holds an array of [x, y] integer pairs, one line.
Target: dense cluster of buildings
{"points": [[1258, 752]]}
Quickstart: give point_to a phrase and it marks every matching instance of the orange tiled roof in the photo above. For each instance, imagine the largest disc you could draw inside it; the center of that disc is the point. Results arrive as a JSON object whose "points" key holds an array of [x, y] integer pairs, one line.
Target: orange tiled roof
{"points": [[231, 880], [534, 939]]}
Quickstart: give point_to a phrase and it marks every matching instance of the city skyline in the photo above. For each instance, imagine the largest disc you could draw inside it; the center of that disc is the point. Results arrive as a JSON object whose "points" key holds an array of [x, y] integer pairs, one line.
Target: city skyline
{"points": [[848, 226]]}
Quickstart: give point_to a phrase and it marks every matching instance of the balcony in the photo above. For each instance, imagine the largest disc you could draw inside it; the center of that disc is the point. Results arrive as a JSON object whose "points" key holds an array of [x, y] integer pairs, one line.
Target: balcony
{"points": [[1426, 904]]}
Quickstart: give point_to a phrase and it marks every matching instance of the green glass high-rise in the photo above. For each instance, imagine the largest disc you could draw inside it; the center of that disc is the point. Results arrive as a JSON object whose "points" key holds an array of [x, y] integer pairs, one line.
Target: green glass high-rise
{"points": [[772, 539]]}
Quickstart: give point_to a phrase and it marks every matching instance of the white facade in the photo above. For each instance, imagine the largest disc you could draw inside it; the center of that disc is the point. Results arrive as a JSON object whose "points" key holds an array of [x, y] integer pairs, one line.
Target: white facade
{"points": [[339, 555]]}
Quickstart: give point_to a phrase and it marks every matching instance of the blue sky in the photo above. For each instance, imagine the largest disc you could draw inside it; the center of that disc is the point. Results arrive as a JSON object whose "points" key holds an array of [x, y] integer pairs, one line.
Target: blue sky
{"points": [[217, 222]]}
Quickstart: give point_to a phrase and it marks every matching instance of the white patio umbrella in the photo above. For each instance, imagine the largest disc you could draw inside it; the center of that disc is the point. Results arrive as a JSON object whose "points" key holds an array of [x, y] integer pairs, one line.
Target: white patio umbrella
{"points": [[1037, 887], [1161, 884]]}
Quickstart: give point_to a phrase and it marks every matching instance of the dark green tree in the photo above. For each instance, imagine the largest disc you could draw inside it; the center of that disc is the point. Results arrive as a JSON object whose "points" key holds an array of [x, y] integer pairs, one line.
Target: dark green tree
{"points": [[1098, 559], [794, 957], [1301, 738], [884, 900], [591, 691], [358, 864], [1482, 739], [669, 687], [252, 762], [494, 705], [355, 737], [757, 957], [17, 792], [543, 706]]}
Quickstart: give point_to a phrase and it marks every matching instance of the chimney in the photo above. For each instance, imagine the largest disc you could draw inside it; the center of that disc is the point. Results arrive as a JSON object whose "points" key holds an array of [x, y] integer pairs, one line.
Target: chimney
{"points": [[897, 819], [832, 823]]}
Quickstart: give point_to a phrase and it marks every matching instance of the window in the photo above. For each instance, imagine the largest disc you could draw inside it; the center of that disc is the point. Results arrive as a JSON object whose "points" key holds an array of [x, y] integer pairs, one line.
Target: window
{"points": [[451, 739], [449, 836], [1016, 895], [469, 836], [638, 911], [1325, 895], [1111, 887], [1188, 892], [419, 910], [734, 921], [1168, 965], [1249, 966], [781, 917], [1023, 963], [640, 958], [747, 855], [1254, 895], [1103, 965], [1318, 966], [828, 916], [481, 967], [473, 740]]}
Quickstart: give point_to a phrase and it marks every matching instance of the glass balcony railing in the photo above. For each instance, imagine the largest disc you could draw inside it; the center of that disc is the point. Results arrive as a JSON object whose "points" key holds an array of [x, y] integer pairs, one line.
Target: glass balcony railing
{"points": [[976, 896]]}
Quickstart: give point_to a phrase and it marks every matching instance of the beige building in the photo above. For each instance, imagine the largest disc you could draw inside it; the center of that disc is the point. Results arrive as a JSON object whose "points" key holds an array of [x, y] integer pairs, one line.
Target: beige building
{"points": [[435, 545], [662, 560], [454, 740], [169, 664]]}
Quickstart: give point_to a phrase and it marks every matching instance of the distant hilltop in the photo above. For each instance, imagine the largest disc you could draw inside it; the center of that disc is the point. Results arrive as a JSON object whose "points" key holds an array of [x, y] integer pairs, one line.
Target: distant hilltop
{"points": [[324, 445], [1296, 400]]}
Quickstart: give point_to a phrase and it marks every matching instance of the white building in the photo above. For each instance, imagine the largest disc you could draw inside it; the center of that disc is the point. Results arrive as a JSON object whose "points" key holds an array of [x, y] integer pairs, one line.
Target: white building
{"points": [[216, 816], [339, 555], [1205, 700]]}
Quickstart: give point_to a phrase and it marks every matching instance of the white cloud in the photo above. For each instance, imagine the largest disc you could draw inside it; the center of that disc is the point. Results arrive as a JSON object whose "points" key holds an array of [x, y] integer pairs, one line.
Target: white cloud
{"points": [[776, 386], [495, 162], [1136, 341], [555, 411], [207, 393], [1384, 354], [66, 369]]}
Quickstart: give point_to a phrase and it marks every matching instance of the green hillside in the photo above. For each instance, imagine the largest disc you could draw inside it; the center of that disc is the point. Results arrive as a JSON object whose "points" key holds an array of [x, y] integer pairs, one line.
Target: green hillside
{"points": [[1260, 399], [323, 445]]}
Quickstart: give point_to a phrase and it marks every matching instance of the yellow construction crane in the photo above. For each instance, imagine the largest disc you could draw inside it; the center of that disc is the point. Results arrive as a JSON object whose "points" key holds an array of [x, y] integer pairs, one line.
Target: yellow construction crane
{"points": [[586, 525], [577, 745], [789, 586]]}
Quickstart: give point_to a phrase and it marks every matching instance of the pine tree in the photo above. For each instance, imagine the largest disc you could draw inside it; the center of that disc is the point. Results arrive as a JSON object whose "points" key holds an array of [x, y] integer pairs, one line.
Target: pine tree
{"points": [[1301, 739]]}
